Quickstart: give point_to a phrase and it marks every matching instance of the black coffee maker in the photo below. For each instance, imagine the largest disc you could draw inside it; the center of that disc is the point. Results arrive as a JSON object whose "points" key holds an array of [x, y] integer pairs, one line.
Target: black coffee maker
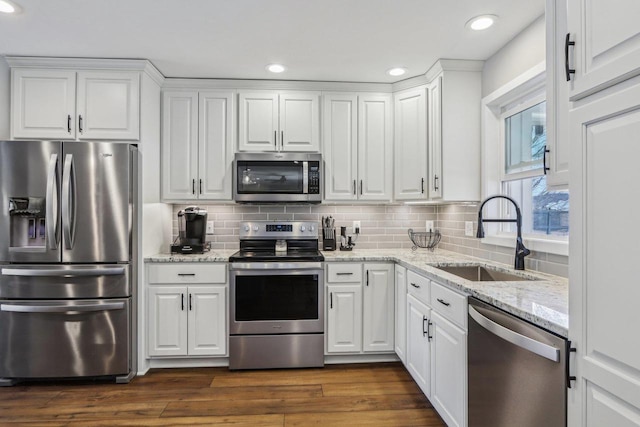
{"points": [[192, 232]]}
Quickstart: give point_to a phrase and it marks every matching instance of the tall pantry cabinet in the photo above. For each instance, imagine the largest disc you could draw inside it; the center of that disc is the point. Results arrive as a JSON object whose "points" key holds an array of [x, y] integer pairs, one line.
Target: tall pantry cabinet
{"points": [[604, 122]]}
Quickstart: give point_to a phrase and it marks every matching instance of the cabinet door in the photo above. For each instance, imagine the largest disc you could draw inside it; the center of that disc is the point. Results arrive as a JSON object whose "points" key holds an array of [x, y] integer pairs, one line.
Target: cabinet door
{"points": [[179, 145], [167, 321], [215, 145], [300, 121], [375, 151], [378, 311], [607, 43], [108, 105], [401, 313], [418, 345], [603, 274], [258, 121], [557, 157], [340, 146], [207, 321], [43, 104], [344, 319], [435, 139], [448, 370], [410, 145]]}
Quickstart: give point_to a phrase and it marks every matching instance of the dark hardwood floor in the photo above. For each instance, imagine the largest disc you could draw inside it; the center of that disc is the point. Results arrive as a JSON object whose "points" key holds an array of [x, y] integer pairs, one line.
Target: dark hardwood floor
{"points": [[350, 395]]}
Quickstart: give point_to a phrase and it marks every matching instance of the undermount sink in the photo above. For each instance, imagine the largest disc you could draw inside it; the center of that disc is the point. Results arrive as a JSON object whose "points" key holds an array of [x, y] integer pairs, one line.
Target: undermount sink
{"points": [[478, 273]]}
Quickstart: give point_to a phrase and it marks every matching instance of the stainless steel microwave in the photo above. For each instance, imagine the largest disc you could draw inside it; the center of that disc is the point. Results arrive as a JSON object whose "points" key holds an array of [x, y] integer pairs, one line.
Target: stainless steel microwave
{"points": [[277, 178]]}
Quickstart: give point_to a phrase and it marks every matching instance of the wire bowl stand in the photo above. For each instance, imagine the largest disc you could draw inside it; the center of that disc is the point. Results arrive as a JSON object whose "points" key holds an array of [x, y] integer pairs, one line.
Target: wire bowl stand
{"points": [[424, 239]]}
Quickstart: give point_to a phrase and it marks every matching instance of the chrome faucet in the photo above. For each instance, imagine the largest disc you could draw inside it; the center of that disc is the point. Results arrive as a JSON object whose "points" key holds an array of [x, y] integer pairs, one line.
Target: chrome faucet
{"points": [[521, 251]]}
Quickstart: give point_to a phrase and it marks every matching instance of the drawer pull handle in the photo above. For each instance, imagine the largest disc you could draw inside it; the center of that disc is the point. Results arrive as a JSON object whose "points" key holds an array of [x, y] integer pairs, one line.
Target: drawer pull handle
{"points": [[415, 286], [344, 274], [443, 302], [186, 274]]}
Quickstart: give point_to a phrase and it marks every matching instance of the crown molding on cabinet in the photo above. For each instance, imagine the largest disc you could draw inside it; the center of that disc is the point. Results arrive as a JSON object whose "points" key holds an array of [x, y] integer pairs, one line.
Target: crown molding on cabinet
{"points": [[143, 65], [294, 85], [437, 68]]}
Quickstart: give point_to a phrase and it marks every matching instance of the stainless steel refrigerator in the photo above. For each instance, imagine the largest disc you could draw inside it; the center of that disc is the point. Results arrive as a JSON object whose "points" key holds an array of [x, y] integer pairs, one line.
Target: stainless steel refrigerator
{"points": [[67, 260]]}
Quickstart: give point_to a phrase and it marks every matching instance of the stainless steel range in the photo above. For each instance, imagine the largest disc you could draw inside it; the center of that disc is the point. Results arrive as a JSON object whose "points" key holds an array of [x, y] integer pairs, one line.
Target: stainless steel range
{"points": [[277, 297]]}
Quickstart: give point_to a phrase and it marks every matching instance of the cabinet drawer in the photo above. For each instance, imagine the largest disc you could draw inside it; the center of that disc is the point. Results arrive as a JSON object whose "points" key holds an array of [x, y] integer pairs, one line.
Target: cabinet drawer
{"points": [[418, 286], [450, 304], [188, 273], [344, 273]]}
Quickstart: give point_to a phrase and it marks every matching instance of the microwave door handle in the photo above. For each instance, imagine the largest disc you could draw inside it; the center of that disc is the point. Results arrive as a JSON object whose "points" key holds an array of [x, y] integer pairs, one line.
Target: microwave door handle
{"points": [[305, 177], [68, 201], [51, 215]]}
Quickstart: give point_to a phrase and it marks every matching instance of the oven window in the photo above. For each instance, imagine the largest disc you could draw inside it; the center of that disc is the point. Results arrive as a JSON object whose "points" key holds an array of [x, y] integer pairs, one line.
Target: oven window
{"points": [[270, 177], [286, 297]]}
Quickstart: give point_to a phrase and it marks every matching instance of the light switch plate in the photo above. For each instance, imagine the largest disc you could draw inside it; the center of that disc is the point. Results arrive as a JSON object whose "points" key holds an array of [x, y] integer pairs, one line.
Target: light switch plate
{"points": [[209, 227], [429, 225], [468, 228]]}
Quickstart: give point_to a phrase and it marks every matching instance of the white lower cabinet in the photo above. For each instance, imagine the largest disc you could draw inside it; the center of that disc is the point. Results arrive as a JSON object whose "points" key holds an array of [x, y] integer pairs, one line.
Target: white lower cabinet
{"points": [[418, 345], [401, 313], [187, 310], [448, 368], [436, 351], [360, 308]]}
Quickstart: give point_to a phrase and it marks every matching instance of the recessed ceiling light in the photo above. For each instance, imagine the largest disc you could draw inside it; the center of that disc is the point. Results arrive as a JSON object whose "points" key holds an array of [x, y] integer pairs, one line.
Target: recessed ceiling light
{"points": [[276, 68], [7, 6], [396, 71], [481, 22]]}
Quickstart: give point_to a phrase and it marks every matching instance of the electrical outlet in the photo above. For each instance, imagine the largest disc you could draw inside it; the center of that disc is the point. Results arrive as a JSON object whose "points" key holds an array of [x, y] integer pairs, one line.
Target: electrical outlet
{"points": [[209, 227], [429, 225], [356, 226], [468, 228]]}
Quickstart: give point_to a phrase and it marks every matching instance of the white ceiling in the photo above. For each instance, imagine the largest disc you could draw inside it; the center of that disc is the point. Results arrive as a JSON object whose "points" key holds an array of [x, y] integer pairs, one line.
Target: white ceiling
{"points": [[331, 40]]}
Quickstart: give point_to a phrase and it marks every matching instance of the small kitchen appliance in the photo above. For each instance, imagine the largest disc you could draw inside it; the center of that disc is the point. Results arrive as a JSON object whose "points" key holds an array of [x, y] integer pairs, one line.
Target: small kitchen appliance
{"points": [[347, 242], [192, 232], [276, 301]]}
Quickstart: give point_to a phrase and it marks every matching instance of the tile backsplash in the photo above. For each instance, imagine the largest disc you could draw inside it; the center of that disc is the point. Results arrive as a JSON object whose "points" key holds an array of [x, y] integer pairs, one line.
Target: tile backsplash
{"points": [[383, 226]]}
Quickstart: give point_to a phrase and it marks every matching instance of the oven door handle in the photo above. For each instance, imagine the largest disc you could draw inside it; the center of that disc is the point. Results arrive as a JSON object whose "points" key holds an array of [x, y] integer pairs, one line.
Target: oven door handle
{"points": [[274, 266], [51, 272], [60, 308]]}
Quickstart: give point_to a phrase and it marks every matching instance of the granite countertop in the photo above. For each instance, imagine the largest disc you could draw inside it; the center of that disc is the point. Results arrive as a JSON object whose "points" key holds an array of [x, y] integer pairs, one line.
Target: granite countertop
{"points": [[543, 301]]}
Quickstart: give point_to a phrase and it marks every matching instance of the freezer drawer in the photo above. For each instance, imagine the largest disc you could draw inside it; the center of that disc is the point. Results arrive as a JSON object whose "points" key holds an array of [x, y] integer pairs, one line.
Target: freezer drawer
{"points": [[59, 338], [64, 281]]}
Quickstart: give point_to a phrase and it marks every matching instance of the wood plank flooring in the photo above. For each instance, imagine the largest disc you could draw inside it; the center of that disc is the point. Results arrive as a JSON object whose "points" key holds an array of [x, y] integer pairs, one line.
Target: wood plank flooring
{"points": [[351, 395]]}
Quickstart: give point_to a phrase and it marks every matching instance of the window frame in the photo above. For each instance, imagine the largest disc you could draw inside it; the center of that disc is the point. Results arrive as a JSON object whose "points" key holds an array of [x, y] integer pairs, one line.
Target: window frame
{"points": [[516, 95]]}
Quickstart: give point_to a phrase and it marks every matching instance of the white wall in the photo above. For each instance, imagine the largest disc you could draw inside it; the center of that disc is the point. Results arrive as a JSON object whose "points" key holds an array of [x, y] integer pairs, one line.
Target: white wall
{"points": [[5, 90], [523, 52]]}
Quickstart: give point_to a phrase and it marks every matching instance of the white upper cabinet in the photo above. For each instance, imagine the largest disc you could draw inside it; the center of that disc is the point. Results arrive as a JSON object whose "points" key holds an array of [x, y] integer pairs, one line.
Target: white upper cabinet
{"points": [[607, 44], [108, 105], [271, 121], [84, 105], [410, 144], [357, 146], [197, 144], [43, 103], [454, 131], [556, 160]]}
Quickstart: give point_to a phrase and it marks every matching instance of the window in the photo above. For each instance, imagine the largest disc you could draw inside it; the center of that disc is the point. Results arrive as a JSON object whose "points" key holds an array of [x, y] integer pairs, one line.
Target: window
{"points": [[513, 146], [545, 212]]}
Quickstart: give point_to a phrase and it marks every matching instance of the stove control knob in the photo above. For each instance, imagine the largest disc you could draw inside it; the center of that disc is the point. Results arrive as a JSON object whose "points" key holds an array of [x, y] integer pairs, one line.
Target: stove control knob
{"points": [[311, 228], [302, 228], [255, 228], [247, 228]]}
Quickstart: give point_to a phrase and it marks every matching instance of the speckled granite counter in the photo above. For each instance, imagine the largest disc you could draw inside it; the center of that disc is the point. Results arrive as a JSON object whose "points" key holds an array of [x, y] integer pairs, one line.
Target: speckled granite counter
{"points": [[543, 301]]}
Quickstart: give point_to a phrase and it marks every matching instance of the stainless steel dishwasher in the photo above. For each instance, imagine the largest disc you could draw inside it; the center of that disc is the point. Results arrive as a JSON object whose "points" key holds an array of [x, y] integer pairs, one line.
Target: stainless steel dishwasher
{"points": [[516, 371]]}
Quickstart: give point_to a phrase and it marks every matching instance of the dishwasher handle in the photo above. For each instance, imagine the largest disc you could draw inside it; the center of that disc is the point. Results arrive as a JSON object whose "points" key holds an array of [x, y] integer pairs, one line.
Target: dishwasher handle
{"points": [[537, 347]]}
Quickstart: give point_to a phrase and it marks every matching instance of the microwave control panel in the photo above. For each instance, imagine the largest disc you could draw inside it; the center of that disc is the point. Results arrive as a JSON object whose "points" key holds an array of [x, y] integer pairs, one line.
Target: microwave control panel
{"points": [[314, 177]]}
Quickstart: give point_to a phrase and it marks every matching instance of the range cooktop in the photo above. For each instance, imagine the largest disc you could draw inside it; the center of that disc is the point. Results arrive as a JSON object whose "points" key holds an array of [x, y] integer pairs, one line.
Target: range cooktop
{"points": [[272, 255]]}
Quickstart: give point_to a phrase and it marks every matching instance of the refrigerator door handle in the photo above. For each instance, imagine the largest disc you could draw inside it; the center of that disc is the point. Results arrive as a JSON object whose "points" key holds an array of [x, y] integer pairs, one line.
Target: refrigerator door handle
{"points": [[68, 201], [537, 347], [44, 272], [60, 308], [51, 218]]}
